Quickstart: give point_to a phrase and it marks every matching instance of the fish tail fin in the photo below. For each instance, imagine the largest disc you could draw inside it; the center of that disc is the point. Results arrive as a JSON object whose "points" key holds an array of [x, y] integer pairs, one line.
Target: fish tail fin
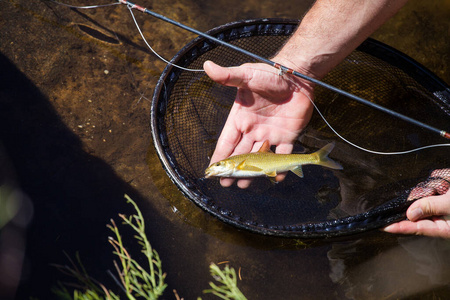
{"points": [[324, 160]]}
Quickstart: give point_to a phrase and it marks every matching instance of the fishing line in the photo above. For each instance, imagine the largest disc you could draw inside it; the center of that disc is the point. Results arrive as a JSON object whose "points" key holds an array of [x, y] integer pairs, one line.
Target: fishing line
{"points": [[154, 52], [85, 7], [368, 150], [282, 70], [346, 140]]}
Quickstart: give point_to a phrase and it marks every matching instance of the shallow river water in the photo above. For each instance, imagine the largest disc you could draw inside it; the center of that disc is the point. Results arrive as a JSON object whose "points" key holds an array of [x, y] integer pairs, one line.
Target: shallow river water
{"points": [[74, 126]]}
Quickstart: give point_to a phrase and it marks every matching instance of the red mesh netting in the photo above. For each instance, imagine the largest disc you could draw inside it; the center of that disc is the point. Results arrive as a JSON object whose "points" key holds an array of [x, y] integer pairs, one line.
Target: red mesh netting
{"points": [[437, 183]]}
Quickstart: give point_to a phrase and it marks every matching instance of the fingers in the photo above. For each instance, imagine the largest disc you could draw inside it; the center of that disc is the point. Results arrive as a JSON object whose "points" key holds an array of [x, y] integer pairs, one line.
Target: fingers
{"points": [[226, 181], [224, 75], [245, 145], [436, 227], [224, 148], [259, 78], [242, 183], [284, 148], [228, 139], [429, 206]]}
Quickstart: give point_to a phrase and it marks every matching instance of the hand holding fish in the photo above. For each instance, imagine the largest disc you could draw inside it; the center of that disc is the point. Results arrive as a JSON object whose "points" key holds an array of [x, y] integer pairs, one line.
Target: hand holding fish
{"points": [[267, 107]]}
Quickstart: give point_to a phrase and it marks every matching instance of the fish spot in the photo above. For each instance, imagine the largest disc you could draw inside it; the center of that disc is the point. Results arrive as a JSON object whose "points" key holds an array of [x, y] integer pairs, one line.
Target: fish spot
{"points": [[97, 34]]}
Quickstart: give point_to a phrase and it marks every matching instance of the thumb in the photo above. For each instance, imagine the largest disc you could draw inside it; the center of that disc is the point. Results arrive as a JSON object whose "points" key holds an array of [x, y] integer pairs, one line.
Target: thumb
{"points": [[217, 73], [429, 206], [239, 76]]}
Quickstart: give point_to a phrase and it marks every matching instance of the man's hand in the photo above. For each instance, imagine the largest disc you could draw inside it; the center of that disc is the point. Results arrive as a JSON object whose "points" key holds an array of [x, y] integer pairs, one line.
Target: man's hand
{"points": [[277, 108], [267, 107]]}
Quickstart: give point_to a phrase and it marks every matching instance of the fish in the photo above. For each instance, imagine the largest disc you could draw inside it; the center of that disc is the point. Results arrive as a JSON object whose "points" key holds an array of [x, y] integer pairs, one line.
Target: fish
{"points": [[266, 163]]}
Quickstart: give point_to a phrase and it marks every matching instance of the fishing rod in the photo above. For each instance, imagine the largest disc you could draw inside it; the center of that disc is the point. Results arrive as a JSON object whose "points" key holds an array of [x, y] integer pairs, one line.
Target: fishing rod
{"points": [[284, 70]]}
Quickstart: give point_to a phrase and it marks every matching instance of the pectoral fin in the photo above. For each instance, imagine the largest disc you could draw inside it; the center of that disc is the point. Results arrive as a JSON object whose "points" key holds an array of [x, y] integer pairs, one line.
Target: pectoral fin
{"points": [[298, 171], [245, 167]]}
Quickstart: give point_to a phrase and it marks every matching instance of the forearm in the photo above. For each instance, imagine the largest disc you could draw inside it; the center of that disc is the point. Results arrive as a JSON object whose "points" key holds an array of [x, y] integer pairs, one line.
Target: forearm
{"points": [[331, 30]]}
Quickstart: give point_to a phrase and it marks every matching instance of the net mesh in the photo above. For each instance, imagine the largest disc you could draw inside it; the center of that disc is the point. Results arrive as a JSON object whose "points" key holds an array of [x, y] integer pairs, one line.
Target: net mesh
{"points": [[437, 183], [189, 111]]}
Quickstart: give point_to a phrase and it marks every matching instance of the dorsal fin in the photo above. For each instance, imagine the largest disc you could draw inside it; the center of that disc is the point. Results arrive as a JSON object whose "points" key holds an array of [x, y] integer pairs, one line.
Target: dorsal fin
{"points": [[265, 147]]}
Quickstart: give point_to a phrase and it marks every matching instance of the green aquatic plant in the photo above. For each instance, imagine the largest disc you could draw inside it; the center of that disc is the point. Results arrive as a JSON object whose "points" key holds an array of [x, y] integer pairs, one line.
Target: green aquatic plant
{"points": [[227, 277], [135, 281]]}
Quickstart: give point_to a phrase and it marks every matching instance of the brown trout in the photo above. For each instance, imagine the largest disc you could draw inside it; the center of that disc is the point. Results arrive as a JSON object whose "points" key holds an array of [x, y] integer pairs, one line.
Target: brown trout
{"points": [[266, 163]]}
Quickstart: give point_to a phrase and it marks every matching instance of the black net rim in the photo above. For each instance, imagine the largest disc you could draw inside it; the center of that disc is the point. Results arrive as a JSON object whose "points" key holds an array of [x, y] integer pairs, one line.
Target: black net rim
{"points": [[380, 216]]}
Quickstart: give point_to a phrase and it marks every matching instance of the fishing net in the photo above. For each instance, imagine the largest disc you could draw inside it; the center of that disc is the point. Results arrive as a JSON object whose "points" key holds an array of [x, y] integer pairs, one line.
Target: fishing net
{"points": [[189, 111]]}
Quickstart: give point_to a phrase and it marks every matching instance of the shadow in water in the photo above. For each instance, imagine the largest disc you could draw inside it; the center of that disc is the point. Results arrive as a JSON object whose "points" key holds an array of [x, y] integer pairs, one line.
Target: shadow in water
{"points": [[73, 194]]}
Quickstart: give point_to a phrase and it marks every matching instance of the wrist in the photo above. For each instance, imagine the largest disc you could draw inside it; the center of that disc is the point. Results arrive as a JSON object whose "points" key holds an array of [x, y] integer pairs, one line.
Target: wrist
{"points": [[315, 65], [300, 67]]}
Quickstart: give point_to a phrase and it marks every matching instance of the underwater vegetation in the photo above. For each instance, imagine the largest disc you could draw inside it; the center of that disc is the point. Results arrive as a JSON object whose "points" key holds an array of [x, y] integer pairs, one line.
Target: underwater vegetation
{"points": [[137, 281]]}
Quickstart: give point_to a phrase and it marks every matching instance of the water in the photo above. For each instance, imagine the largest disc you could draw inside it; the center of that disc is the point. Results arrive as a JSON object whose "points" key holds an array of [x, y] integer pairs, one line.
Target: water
{"points": [[74, 122]]}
